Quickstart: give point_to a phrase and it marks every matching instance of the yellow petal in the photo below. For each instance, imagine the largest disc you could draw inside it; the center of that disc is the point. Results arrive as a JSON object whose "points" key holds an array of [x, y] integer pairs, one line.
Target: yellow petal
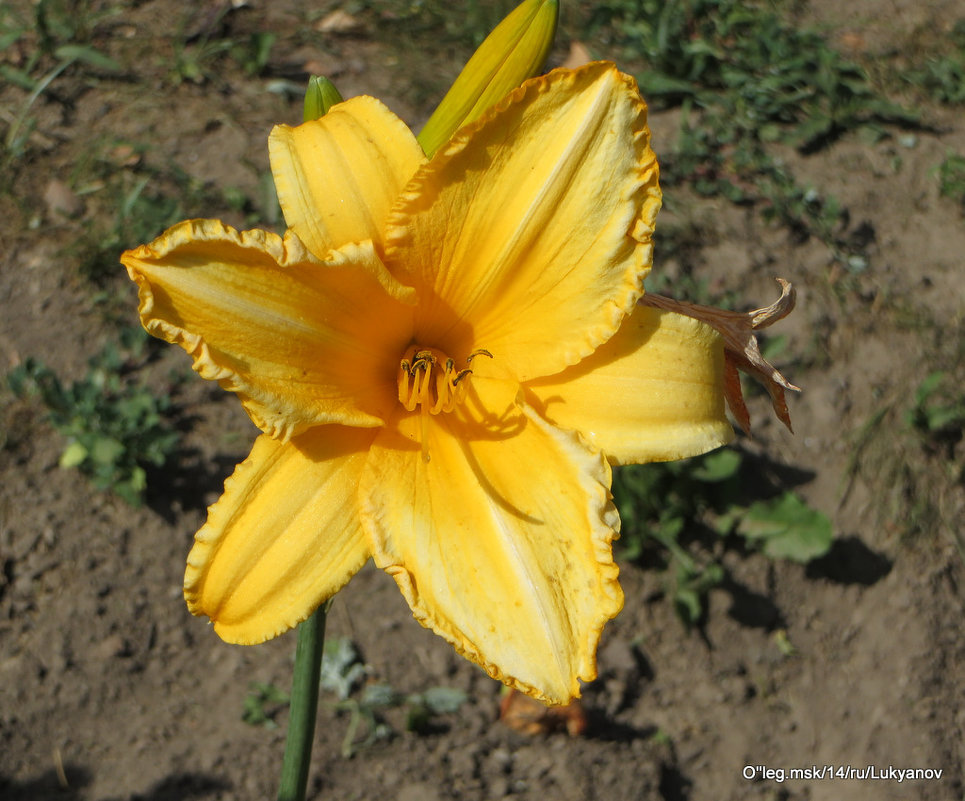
{"points": [[338, 176], [529, 233], [653, 392], [283, 538], [500, 543], [302, 342], [515, 50]]}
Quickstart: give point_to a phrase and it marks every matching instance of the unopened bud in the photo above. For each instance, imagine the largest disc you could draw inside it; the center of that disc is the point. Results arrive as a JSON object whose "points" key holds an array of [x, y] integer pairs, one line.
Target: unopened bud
{"points": [[514, 51], [320, 96]]}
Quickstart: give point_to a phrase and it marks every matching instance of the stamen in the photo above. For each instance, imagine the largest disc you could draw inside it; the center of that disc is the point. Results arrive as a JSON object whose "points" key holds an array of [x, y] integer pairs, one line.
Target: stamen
{"points": [[478, 352], [430, 380], [404, 393]]}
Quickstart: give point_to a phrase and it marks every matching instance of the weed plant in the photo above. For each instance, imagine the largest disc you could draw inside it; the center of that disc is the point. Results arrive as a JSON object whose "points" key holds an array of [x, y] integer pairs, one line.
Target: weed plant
{"points": [[942, 76], [922, 493], [114, 425], [343, 675], [937, 417], [951, 177], [368, 707], [198, 55], [686, 513]]}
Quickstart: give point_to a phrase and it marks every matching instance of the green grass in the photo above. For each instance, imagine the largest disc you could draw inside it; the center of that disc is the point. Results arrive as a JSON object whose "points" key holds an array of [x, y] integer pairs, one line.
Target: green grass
{"points": [[951, 178], [747, 80], [775, 80], [937, 417], [140, 205], [56, 40]]}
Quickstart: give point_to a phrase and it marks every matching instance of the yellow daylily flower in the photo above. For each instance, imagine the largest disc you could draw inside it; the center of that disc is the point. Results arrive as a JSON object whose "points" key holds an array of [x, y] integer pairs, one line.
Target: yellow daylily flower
{"points": [[445, 356]]}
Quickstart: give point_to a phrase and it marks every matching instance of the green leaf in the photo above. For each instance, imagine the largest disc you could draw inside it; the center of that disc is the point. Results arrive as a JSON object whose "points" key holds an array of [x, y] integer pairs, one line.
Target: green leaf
{"points": [[443, 700], [417, 719], [259, 51], [138, 480], [88, 55], [940, 417], [379, 695], [783, 643], [261, 703], [8, 39], [17, 77], [787, 528], [106, 450], [718, 465], [689, 606], [341, 668], [656, 83], [73, 455], [928, 387], [127, 491]]}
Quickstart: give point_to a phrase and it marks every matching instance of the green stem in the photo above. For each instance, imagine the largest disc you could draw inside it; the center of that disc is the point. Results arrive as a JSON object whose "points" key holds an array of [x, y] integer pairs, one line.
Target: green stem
{"points": [[304, 706]]}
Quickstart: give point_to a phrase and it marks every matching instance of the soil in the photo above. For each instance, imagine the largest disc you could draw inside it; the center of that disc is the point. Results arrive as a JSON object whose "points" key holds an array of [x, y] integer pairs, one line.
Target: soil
{"points": [[109, 689]]}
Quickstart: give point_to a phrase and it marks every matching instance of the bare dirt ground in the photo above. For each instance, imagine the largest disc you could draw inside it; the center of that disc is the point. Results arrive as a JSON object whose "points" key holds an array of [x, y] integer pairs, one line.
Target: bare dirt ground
{"points": [[109, 689]]}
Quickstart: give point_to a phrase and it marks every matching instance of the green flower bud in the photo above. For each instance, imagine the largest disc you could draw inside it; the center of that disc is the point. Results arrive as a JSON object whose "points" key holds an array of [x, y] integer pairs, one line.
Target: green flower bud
{"points": [[320, 96], [514, 51]]}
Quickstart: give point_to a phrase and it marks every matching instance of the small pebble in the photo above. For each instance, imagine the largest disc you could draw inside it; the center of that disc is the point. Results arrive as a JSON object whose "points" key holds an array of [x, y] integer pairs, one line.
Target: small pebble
{"points": [[61, 200]]}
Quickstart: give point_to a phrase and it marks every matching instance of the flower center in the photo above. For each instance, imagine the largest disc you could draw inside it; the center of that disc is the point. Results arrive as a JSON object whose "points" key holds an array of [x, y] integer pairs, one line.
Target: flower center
{"points": [[429, 379]]}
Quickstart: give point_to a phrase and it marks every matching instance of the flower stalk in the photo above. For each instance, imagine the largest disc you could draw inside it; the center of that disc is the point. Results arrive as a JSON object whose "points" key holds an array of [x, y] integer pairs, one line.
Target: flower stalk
{"points": [[303, 707], [320, 96]]}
